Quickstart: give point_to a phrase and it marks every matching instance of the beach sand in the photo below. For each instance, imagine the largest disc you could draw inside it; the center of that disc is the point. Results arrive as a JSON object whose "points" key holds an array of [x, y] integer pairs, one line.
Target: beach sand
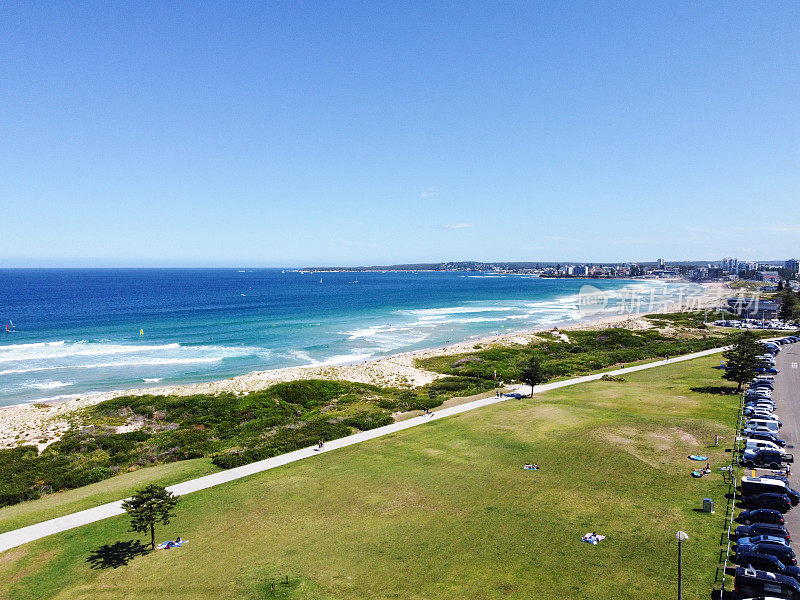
{"points": [[41, 424]]}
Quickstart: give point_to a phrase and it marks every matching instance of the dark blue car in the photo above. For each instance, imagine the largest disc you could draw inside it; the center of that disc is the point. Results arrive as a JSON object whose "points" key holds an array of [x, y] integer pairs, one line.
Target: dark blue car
{"points": [[759, 515], [746, 531], [746, 542]]}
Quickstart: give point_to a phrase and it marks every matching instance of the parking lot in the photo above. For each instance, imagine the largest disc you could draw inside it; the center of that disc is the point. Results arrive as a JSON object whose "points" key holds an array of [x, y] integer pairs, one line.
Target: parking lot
{"points": [[766, 558], [787, 400]]}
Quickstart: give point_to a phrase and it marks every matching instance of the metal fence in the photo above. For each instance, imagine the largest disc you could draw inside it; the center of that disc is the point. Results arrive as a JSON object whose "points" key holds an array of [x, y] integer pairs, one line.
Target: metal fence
{"points": [[735, 467]]}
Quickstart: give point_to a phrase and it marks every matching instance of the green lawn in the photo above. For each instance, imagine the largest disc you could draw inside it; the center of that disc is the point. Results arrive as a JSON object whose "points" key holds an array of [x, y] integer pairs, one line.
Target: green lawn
{"points": [[121, 486], [444, 510]]}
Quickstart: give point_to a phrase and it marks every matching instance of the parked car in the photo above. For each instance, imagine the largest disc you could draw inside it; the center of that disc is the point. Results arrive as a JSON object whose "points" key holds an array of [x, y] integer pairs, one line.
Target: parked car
{"points": [[762, 383], [749, 431], [743, 531], [767, 436], [770, 424], [753, 444], [760, 515], [779, 502], [781, 551], [754, 583], [765, 459], [761, 387], [766, 415], [747, 542], [759, 399], [759, 391], [763, 485], [763, 561], [763, 395], [759, 404], [762, 413]]}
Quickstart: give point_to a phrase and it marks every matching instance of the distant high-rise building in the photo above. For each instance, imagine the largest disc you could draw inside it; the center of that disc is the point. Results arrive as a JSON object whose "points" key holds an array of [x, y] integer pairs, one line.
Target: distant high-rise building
{"points": [[792, 265], [731, 265], [660, 262]]}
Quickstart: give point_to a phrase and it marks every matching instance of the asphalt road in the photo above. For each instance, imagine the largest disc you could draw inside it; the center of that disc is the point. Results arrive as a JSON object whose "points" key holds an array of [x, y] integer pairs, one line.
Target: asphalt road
{"points": [[787, 405]]}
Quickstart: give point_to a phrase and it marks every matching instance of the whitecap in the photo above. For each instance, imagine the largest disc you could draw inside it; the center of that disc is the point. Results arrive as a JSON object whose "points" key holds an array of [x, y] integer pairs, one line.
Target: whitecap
{"points": [[133, 363], [48, 385]]}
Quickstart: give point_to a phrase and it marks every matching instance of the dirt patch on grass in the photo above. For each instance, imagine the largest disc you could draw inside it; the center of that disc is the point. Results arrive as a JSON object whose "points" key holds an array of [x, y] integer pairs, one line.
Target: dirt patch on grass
{"points": [[11, 555], [433, 451], [34, 566], [649, 446], [685, 436], [404, 500], [662, 442], [618, 439]]}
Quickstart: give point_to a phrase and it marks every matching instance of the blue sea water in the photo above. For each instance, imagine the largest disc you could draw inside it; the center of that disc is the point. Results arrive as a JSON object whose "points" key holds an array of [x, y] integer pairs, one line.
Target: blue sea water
{"points": [[78, 330]]}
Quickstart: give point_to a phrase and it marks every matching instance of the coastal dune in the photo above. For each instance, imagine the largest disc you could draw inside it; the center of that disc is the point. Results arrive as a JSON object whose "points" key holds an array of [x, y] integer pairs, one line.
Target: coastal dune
{"points": [[43, 423]]}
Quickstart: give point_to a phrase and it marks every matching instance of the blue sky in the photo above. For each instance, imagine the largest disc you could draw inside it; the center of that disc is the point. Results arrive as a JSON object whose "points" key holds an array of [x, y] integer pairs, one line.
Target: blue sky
{"points": [[297, 133]]}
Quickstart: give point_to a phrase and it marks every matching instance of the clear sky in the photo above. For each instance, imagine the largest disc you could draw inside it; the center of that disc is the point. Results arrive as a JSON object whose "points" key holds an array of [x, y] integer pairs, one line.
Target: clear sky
{"points": [[319, 133]]}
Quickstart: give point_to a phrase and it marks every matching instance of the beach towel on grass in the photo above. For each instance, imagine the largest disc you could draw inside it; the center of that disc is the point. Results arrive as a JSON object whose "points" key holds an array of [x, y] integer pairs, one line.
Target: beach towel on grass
{"points": [[697, 457], [170, 544], [589, 538], [697, 474]]}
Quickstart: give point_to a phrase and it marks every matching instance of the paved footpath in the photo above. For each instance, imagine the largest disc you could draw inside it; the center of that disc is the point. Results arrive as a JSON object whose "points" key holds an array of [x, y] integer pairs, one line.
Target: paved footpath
{"points": [[24, 535]]}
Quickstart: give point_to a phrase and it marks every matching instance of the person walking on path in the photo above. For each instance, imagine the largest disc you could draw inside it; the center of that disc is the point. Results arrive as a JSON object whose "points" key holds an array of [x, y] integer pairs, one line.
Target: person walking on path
{"points": [[716, 440]]}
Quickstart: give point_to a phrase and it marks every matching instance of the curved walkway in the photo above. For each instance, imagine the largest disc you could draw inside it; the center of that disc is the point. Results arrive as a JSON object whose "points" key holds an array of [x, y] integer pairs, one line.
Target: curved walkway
{"points": [[30, 533]]}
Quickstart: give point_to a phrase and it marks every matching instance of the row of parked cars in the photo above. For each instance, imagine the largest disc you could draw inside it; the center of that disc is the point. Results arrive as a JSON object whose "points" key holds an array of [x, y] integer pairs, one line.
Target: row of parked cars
{"points": [[767, 565], [773, 324]]}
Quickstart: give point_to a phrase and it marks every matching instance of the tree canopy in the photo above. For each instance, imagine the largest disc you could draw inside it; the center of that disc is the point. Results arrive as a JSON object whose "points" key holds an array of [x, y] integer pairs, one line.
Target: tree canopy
{"points": [[742, 359], [151, 505], [789, 307], [532, 373]]}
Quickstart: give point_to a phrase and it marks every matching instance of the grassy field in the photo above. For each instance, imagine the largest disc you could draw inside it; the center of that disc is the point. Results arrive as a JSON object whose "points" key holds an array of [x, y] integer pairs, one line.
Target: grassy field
{"points": [[443, 510], [229, 429], [122, 486]]}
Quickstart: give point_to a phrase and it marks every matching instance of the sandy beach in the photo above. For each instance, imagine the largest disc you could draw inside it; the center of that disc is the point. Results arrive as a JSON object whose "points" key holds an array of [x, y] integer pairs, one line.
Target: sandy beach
{"points": [[42, 423]]}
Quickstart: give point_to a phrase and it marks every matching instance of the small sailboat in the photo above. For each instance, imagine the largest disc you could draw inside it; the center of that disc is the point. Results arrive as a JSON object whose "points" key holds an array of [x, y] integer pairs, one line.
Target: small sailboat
{"points": [[320, 279], [141, 332], [283, 272]]}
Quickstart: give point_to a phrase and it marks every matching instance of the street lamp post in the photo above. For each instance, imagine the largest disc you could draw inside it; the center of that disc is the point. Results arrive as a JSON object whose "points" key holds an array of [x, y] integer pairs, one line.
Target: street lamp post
{"points": [[682, 537]]}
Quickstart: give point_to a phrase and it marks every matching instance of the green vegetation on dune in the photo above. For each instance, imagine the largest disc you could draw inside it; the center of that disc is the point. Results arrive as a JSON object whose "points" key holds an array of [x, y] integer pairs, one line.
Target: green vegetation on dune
{"points": [[233, 430], [444, 510], [587, 351]]}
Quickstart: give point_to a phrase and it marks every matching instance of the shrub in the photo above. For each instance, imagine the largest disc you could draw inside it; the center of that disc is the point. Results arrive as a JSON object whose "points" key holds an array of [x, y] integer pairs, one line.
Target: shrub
{"points": [[370, 420]]}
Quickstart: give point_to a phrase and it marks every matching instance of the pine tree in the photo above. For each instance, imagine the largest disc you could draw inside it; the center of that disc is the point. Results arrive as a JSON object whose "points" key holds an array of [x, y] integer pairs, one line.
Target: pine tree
{"points": [[742, 359], [788, 305], [533, 373], [149, 506]]}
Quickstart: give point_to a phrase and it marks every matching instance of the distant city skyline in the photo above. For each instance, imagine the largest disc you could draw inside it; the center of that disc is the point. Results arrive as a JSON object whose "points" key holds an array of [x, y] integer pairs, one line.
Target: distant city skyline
{"points": [[280, 135]]}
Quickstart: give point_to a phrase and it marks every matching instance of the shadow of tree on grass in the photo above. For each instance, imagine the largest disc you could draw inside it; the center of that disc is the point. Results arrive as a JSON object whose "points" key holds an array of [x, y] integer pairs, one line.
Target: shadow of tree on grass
{"points": [[715, 389], [118, 554]]}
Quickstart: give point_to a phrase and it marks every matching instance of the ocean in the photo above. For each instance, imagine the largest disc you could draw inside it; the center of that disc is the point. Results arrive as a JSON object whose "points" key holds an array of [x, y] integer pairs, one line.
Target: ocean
{"points": [[68, 332]]}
